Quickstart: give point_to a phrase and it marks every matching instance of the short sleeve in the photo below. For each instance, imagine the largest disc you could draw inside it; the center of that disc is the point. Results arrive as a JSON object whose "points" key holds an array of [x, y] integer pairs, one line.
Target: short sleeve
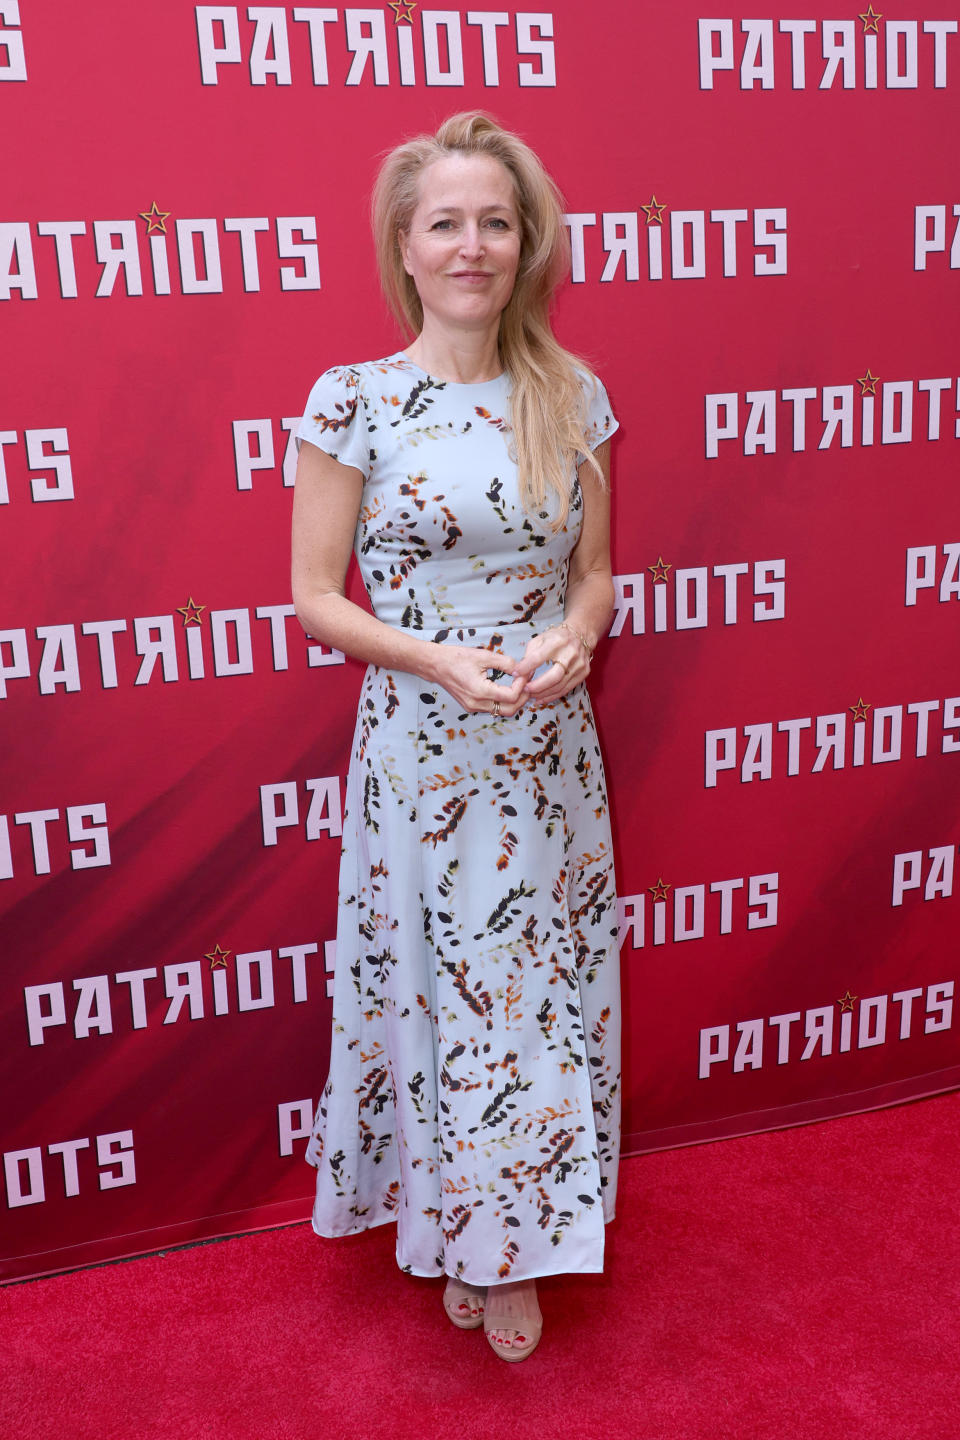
{"points": [[335, 419], [600, 419]]}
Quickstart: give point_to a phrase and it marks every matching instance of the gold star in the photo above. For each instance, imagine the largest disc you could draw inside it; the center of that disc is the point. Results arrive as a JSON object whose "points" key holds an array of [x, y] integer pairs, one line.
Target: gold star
{"points": [[217, 958], [191, 612], [654, 211], [154, 219], [860, 709], [659, 891], [868, 383], [871, 20], [846, 1002], [402, 11], [659, 571]]}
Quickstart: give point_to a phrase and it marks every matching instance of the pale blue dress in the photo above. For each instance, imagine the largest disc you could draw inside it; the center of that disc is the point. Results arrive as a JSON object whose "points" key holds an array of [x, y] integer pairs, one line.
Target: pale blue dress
{"points": [[474, 1091]]}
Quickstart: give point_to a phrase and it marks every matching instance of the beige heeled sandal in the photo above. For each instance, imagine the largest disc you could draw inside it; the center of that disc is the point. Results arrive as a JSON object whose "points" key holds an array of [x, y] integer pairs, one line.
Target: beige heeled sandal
{"points": [[513, 1307], [464, 1304]]}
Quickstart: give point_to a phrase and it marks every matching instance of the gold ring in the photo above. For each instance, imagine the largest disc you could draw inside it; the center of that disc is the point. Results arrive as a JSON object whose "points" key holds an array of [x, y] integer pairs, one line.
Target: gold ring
{"points": [[496, 707], [562, 666]]}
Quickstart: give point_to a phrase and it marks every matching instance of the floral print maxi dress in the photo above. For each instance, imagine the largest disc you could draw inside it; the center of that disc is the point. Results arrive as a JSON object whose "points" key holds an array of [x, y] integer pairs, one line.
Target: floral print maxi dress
{"points": [[473, 1092]]}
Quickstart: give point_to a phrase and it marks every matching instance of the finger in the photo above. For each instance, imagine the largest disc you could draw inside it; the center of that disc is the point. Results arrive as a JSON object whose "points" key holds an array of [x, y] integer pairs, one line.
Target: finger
{"points": [[543, 651], [553, 692], [501, 707], [550, 680], [508, 694], [527, 663], [502, 700]]}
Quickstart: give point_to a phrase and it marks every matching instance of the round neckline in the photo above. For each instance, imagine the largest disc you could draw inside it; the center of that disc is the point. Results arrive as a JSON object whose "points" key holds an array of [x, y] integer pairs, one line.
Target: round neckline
{"points": [[462, 384]]}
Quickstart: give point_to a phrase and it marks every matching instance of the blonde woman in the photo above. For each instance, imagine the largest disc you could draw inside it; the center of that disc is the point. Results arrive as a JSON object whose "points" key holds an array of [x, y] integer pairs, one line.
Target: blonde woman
{"points": [[473, 1091]]}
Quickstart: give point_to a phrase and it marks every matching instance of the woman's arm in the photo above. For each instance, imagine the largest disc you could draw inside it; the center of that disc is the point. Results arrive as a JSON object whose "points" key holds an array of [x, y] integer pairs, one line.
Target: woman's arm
{"points": [[326, 506], [590, 595]]}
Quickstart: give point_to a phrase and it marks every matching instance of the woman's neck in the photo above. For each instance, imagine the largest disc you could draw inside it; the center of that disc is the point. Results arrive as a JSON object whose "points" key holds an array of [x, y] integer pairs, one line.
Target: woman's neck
{"points": [[462, 357]]}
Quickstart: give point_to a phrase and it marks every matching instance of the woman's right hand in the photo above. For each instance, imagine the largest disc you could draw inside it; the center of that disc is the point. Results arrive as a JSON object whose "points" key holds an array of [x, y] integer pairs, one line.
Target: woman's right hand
{"points": [[462, 671]]}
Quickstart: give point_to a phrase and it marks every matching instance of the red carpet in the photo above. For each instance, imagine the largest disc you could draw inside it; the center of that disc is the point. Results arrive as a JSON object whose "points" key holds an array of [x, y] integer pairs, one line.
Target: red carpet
{"points": [[804, 1283]]}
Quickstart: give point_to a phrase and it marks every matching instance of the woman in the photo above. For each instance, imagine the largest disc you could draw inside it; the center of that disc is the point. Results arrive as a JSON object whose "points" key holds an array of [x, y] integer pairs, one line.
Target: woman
{"points": [[473, 1093]]}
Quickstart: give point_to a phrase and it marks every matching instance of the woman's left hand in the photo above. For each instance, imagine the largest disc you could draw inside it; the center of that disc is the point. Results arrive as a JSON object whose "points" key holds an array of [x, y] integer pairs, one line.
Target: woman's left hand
{"points": [[568, 661]]}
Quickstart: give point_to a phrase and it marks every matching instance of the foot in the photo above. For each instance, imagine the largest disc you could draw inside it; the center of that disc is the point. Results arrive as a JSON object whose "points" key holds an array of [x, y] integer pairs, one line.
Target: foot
{"points": [[512, 1322], [464, 1304]]}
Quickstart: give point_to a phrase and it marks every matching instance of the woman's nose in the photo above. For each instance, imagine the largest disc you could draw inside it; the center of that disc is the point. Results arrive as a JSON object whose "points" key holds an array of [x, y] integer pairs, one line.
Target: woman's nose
{"points": [[471, 240]]}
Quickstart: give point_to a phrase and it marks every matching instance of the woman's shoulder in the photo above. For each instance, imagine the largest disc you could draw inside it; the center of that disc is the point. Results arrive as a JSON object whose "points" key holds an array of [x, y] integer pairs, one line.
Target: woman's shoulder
{"points": [[590, 381], [350, 405], [370, 386], [360, 382], [599, 420], [364, 372]]}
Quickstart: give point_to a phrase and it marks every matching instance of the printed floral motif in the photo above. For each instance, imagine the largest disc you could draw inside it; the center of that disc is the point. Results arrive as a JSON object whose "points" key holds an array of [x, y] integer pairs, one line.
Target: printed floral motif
{"points": [[473, 1093]]}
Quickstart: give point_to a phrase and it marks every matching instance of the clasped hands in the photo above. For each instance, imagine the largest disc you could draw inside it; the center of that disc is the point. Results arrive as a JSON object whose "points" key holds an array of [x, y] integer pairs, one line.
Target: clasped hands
{"points": [[463, 672]]}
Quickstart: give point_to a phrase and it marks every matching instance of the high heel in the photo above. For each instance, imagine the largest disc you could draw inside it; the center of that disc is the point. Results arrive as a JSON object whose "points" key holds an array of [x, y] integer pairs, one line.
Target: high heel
{"points": [[456, 1296], [513, 1307]]}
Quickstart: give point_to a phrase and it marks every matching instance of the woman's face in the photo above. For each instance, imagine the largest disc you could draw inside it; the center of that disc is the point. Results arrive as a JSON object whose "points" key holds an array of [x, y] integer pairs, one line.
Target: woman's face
{"points": [[463, 245]]}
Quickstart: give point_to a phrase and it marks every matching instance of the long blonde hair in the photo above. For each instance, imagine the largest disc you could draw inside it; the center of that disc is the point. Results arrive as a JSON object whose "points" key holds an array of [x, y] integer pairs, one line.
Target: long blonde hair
{"points": [[547, 399]]}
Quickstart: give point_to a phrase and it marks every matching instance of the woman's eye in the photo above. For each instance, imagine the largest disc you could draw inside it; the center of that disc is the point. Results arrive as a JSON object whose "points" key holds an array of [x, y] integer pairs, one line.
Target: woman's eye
{"points": [[441, 225], [497, 224]]}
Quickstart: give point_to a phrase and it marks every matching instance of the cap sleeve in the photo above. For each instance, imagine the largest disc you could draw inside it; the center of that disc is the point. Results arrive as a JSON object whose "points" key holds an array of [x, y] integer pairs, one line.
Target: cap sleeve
{"points": [[335, 419], [600, 419]]}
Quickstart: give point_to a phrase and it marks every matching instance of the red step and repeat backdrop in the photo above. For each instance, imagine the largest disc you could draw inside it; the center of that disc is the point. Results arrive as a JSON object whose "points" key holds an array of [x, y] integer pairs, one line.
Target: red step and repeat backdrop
{"points": [[765, 231]]}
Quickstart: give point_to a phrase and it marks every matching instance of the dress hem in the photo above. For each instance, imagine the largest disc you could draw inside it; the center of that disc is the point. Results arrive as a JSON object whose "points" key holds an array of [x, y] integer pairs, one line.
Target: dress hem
{"points": [[467, 1279], [513, 1278], [354, 1229]]}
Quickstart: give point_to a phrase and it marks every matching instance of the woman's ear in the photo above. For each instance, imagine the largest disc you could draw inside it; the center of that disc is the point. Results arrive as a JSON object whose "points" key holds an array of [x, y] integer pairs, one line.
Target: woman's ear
{"points": [[402, 246]]}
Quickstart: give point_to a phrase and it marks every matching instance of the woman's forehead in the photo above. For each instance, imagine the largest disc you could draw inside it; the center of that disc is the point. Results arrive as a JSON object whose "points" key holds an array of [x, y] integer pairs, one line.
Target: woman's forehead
{"points": [[453, 181]]}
